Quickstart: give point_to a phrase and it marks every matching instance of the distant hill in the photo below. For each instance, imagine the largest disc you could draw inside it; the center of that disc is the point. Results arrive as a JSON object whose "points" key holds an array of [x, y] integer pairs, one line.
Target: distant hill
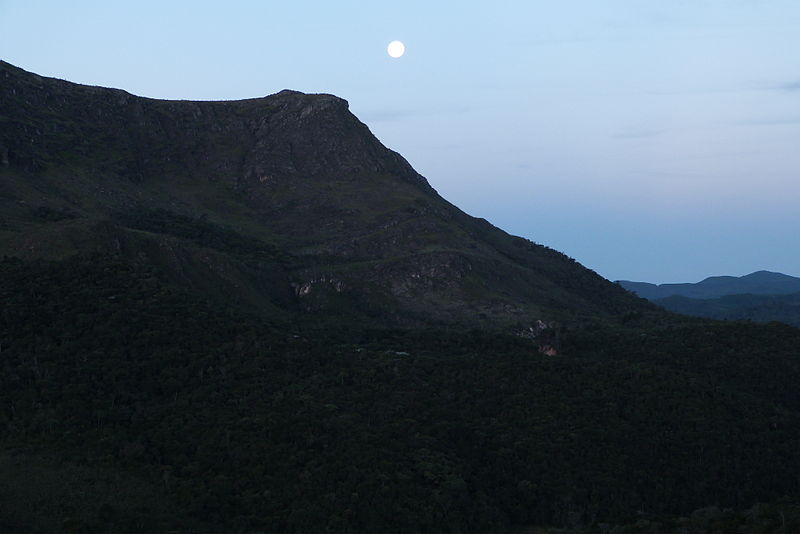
{"points": [[760, 296], [757, 283]]}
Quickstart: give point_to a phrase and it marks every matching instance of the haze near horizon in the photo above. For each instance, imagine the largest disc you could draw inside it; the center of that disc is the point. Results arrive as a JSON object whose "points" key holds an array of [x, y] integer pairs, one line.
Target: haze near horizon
{"points": [[649, 142]]}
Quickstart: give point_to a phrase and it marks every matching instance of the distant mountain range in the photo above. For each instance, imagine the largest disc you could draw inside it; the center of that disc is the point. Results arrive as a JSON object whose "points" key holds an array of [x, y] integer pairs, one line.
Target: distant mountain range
{"points": [[760, 296]]}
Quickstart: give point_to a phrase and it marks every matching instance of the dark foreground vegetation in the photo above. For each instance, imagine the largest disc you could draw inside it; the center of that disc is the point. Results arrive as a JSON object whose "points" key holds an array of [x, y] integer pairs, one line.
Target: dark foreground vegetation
{"points": [[127, 405]]}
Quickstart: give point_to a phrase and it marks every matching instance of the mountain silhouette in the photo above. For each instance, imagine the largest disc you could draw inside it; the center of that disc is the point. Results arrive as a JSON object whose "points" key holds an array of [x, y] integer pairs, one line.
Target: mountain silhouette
{"points": [[757, 283], [760, 296], [337, 220]]}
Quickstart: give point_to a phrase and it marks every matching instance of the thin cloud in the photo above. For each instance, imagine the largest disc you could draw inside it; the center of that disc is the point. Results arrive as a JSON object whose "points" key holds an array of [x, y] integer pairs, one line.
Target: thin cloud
{"points": [[791, 87]]}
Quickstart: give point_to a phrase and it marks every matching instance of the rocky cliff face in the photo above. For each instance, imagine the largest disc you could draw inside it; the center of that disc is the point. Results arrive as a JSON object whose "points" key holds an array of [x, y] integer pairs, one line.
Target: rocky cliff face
{"points": [[317, 136], [322, 215]]}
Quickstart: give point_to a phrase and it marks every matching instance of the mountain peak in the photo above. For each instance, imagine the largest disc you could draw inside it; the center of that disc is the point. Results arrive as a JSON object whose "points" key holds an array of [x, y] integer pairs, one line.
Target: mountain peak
{"points": [[309, 97], [308, 103], [767, 275]]}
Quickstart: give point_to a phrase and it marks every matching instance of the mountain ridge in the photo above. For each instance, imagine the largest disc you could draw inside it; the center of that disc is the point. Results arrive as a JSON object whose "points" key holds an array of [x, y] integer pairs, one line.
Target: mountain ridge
{"points": [[759, 296], [294, 172], [758, 283]]}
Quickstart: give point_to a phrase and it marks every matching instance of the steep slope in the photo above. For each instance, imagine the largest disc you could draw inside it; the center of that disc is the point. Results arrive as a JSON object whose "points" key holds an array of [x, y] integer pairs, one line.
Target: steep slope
{"points": [[322, 216]]}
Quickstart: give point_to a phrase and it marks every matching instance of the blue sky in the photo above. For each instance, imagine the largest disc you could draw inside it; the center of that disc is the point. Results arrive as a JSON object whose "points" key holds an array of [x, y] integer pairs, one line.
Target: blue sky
{"points": [[649, 140]]}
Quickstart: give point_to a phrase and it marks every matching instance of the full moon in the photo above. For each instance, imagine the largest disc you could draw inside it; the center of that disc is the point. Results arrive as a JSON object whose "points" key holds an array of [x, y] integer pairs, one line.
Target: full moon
{"points": [[396, 49]]}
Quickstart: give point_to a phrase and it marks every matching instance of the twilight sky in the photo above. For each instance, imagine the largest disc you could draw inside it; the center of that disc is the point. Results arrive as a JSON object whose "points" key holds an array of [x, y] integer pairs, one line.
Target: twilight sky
{"points": [[649, 140]]}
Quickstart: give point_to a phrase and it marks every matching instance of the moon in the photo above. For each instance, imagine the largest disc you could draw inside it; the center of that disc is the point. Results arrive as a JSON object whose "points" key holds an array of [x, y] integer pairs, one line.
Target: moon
{"points": [[396, 49]]}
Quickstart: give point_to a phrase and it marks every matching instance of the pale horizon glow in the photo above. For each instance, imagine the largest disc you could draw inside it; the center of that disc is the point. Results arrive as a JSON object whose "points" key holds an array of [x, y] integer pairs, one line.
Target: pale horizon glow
{"points": [[650, 141]]}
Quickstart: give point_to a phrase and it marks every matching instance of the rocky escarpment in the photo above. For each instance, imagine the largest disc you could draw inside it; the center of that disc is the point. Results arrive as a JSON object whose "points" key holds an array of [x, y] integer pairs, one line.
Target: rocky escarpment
{"points": [[316, 136]]}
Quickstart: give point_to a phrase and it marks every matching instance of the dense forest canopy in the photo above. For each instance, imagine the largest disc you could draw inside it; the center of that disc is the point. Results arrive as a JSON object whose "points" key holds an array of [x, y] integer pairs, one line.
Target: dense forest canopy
{"points": [[202, 418]]}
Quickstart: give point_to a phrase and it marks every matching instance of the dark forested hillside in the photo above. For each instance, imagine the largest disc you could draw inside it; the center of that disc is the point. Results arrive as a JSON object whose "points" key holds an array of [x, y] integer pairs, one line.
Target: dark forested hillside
{"points": [[202, 419], [252, 317]]}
